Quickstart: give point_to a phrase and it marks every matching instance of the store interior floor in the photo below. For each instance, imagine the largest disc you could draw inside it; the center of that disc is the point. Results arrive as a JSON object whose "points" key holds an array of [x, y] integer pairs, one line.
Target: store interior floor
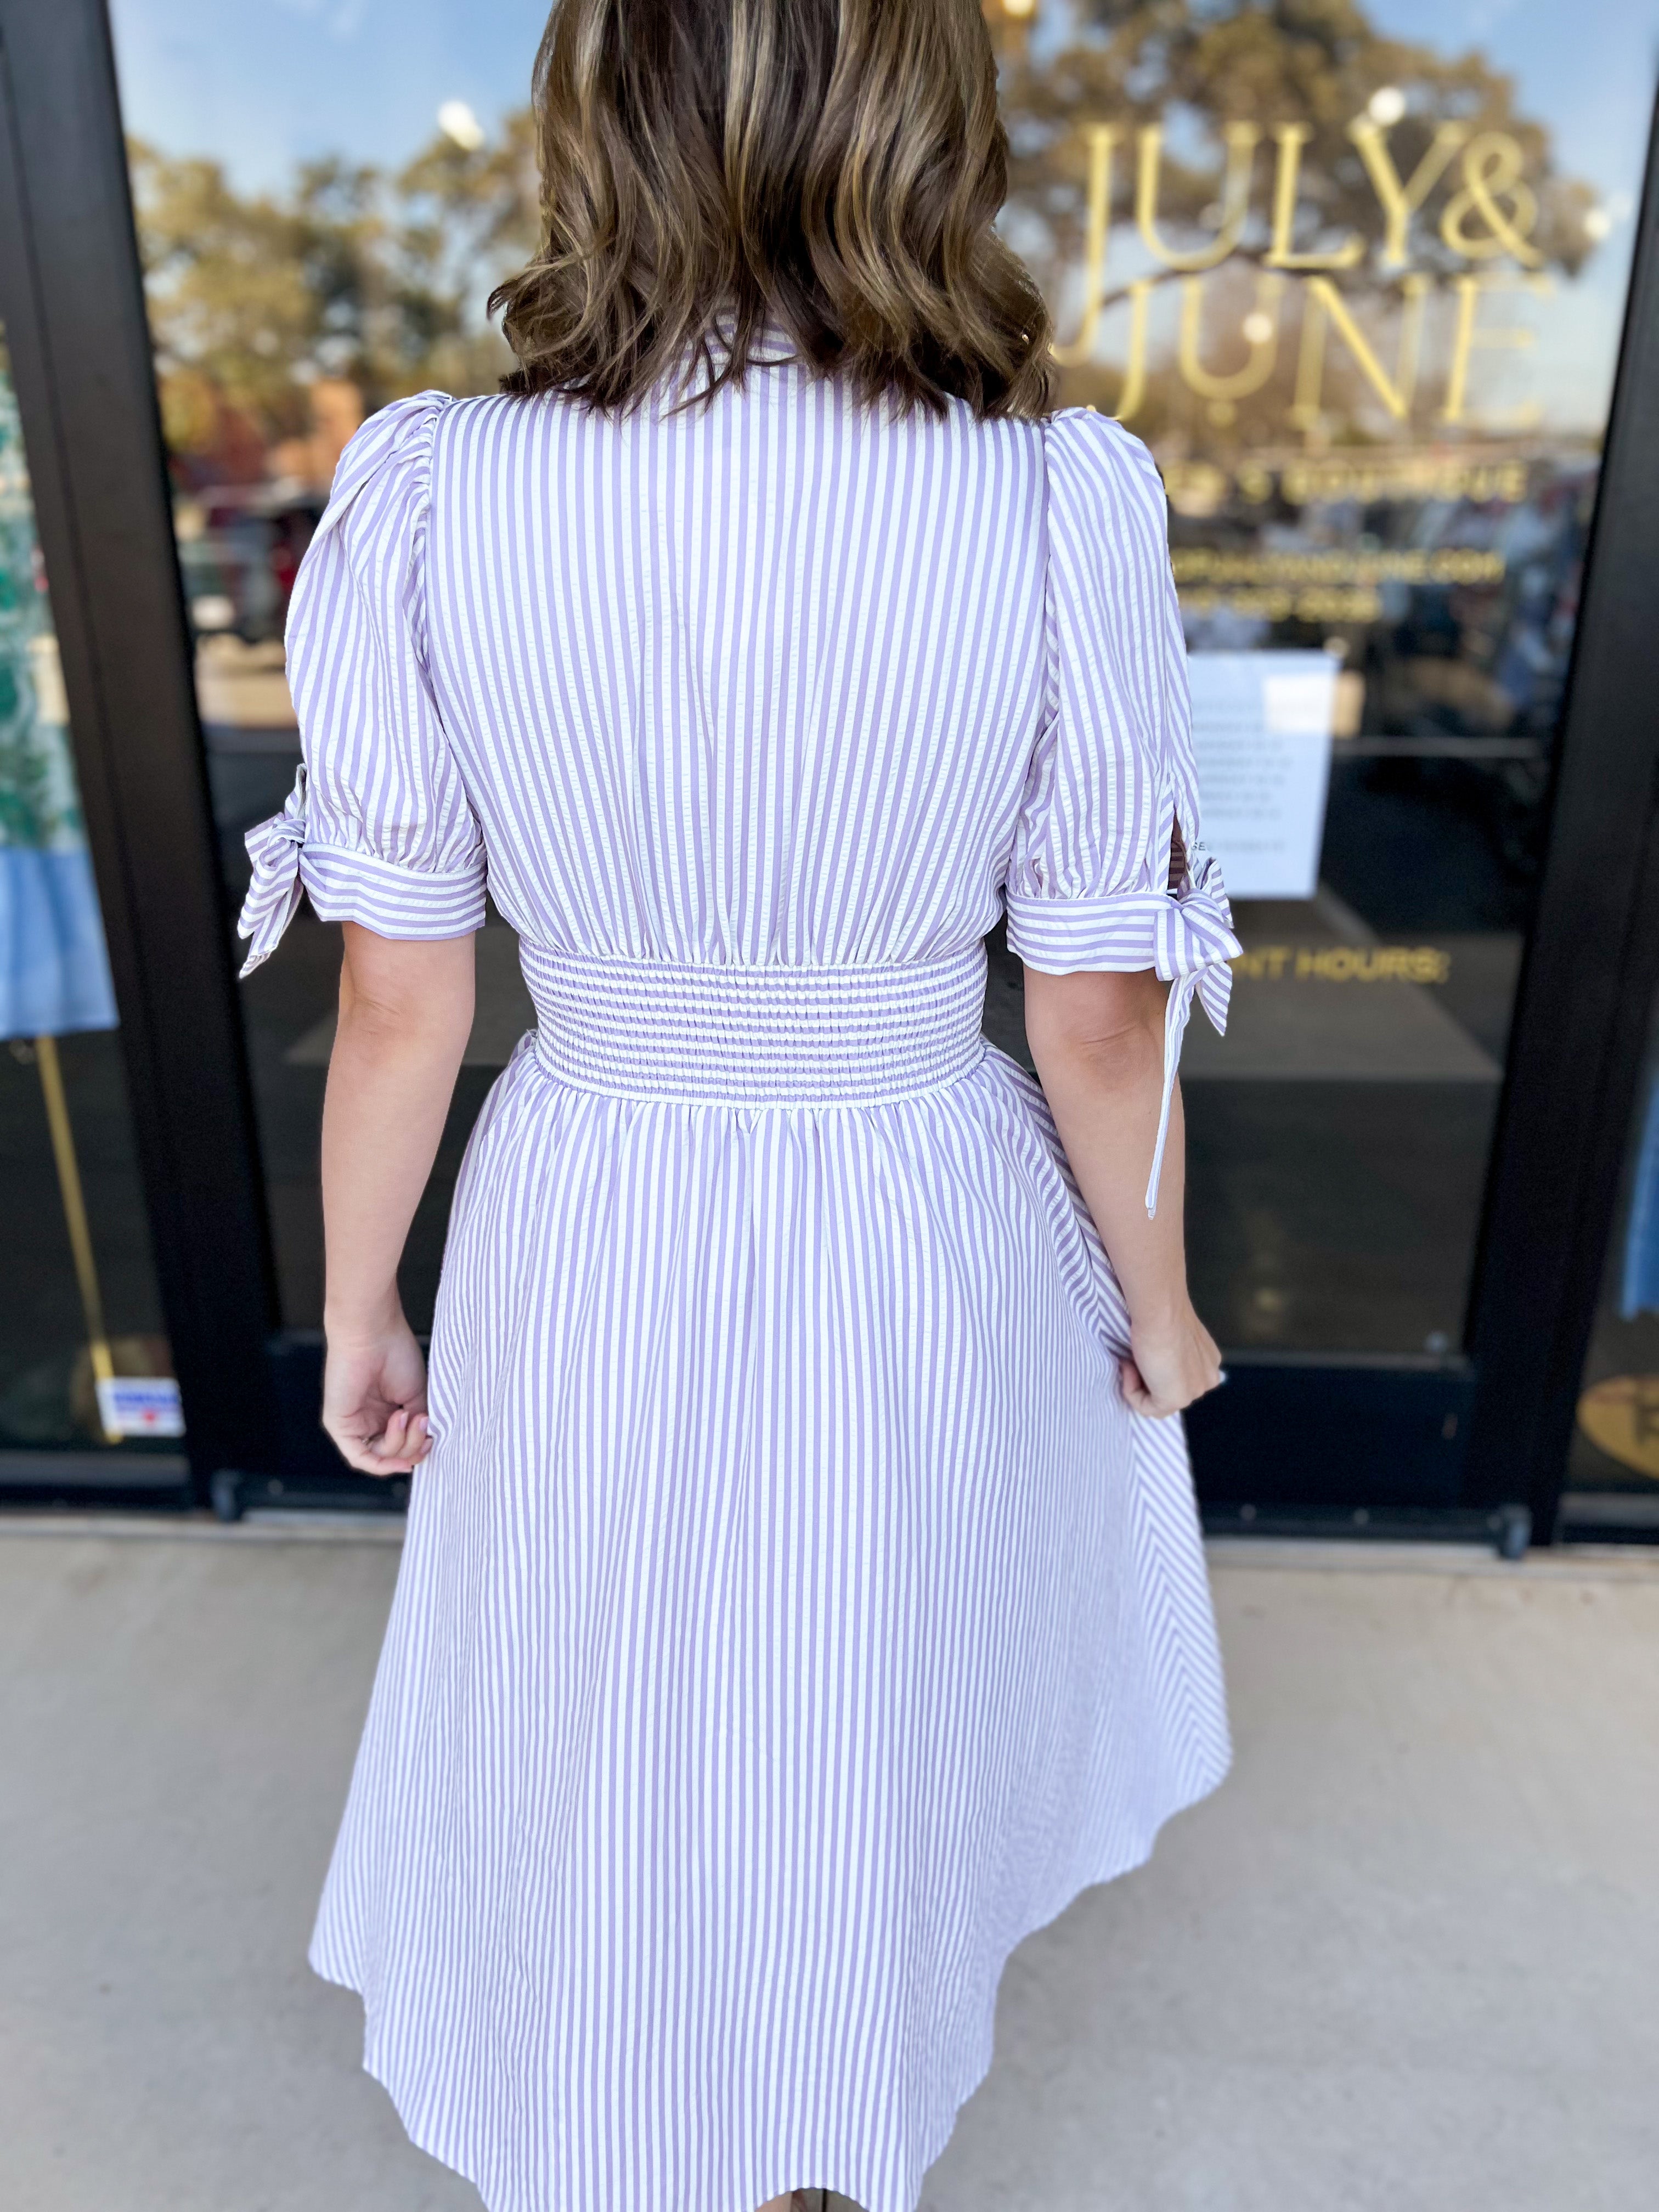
{"points": [[1405, 1960]]}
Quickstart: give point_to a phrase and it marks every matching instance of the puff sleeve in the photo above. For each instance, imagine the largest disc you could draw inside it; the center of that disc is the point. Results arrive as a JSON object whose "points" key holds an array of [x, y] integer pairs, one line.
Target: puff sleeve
{"points": [[1112, 791], [378, 829]]}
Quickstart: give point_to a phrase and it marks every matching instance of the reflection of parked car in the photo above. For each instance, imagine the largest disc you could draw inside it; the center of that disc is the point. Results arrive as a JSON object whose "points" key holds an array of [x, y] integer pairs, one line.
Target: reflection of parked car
{"points": [[1463, 677], [240, 548], [1484, 667], [1491, 659]]}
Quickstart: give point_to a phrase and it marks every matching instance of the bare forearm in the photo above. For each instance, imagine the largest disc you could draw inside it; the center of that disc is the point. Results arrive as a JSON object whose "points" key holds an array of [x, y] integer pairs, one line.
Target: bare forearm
{"points": [[389, 1084], [1106, 1100], [1097, 1040]]}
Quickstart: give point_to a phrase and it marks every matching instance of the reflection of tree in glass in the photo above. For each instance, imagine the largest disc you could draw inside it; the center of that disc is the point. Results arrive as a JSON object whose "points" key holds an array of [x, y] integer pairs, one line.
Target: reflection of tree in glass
{"points": [[349, 275], [1378, 137], [378, 282], [1192, 68]]}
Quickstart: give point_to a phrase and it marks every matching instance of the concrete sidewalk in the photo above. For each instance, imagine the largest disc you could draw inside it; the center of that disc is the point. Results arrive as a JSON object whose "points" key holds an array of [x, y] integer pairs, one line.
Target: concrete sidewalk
{"points": [[1407, 1960]]}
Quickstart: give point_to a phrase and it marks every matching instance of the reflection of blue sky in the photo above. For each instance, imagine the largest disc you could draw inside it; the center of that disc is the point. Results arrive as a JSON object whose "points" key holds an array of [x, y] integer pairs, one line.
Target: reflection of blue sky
{"points": [[1587, 68], [262, 84]]}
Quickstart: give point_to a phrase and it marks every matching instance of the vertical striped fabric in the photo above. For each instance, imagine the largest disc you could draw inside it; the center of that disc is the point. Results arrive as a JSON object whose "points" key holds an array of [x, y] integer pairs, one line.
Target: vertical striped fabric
{"points": [[791, 1616]]}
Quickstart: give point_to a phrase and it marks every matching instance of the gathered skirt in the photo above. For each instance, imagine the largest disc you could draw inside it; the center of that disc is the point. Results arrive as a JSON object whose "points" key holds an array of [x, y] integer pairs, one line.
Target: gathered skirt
{"points": [[792, 1618]]}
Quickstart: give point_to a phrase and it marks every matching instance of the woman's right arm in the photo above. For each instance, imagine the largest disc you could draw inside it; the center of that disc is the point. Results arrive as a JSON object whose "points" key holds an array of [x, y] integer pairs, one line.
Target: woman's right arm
{"points": [[405, 1015], [1097, 1042]]}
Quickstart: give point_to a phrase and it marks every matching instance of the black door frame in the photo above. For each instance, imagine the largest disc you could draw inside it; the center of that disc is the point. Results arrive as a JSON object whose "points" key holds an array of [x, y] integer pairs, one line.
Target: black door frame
{"points": [[1387, 1443], [1591, 966], [1479, 1438], [71, 299]]}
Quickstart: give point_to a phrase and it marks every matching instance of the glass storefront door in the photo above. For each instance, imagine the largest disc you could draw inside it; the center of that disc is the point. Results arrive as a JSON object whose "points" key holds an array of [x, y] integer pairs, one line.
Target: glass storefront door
{"points": [[85, 1364], [324, 199], [1357, 276]]}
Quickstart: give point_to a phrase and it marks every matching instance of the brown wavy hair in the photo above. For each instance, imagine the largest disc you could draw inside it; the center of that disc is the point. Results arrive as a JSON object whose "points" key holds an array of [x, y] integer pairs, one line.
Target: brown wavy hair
{"points": [[717, 174]]}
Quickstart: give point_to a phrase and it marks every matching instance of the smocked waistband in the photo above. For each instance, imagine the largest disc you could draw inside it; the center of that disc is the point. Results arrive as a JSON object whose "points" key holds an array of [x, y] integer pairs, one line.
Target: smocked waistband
{"points": [[763, 1037]]}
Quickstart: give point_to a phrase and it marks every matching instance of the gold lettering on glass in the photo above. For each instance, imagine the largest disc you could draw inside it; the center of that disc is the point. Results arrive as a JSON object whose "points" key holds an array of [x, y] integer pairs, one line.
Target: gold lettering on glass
{"points": [[1492, 211], [1491, 173], [1322, 306], [1468, 335], [1101, 137], [1241, 142], [1134, 367], [1224, 390], [1399, 202], [1287, 175]]}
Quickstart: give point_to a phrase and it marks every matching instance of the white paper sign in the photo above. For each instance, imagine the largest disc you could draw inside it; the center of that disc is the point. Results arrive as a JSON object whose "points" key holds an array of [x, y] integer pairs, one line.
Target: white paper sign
{"points": [[140, 1406], [1262, 734]]}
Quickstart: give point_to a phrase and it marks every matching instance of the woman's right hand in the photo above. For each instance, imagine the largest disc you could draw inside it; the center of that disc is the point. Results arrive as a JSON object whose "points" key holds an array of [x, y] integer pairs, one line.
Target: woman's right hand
{"points": [[1170, 1363]]}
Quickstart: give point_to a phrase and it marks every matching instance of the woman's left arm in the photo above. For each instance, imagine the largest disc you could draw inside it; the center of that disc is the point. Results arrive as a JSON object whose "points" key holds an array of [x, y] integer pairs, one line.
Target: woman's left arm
{"points": [[405, 1015]]}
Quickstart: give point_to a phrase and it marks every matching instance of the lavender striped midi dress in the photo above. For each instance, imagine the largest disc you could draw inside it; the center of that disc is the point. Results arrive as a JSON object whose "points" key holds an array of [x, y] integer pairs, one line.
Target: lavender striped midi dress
{"points": [[792, 1615]]}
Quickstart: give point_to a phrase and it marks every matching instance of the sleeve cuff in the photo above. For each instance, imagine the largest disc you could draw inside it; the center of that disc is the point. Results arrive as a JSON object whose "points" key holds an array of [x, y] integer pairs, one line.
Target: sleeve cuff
{"points": [[393, 901], [347, 885], [1117, 933]]}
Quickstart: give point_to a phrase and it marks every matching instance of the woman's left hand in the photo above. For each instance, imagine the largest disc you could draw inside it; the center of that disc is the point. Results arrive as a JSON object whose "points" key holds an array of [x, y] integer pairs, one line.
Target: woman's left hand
{"points": [[374, 1400]]}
